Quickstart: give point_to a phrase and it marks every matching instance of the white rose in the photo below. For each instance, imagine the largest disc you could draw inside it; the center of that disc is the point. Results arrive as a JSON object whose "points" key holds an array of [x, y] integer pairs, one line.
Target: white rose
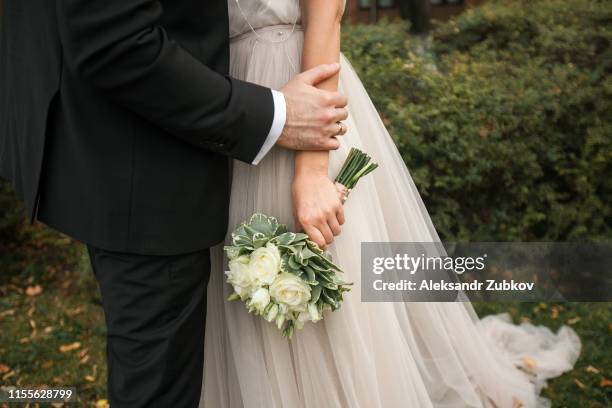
{"points": [[303, 317], [271, 315], [290, 290], [239, 276], [265, 264], [260, 299], [313, 312]]}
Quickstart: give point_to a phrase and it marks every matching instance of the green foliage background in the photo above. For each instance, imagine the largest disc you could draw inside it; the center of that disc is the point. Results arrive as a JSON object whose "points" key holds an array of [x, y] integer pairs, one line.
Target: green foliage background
{"points": [[506, 124]]}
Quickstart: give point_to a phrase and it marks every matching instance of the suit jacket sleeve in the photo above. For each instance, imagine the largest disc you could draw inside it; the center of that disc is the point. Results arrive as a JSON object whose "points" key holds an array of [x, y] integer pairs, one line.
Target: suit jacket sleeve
{"points": [[120, 48]]}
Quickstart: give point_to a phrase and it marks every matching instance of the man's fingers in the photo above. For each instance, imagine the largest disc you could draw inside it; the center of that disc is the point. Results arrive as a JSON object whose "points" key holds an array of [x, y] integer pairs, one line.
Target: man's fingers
{"points": [[335, 99], [319, 73], [338, 100], [340, 114], [331, 143]]}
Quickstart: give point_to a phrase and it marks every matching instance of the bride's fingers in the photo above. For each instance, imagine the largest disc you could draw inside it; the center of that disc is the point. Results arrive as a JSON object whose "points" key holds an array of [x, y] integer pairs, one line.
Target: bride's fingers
{"points": [[315, 235], [326, 232], [340, 216], [334, 225]]}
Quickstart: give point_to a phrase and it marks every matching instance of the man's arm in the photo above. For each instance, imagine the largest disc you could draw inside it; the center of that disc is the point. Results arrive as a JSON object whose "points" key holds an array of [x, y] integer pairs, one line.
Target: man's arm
{"points": [[120, 48]]}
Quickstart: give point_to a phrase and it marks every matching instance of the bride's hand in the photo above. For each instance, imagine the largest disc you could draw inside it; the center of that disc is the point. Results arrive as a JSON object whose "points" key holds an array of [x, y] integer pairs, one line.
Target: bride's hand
{"points": [[317, 207]]}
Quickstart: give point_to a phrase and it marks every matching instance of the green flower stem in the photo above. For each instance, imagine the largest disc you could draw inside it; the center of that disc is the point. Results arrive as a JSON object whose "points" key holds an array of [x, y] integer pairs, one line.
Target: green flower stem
{"points": [[356, 165]]}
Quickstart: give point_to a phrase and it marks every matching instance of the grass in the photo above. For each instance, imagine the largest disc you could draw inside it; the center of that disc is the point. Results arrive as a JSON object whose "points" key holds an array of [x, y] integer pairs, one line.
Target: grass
{"points": [[51, 321], [52, 327]]}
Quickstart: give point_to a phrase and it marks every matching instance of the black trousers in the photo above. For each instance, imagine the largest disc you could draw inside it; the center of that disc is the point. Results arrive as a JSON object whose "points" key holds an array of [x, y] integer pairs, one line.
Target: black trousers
{"points": [[155, 310]]}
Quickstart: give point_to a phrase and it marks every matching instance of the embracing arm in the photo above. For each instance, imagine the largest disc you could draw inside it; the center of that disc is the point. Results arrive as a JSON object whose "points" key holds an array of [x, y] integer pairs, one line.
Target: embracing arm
{"points": [[120, 48], [317, 206]]}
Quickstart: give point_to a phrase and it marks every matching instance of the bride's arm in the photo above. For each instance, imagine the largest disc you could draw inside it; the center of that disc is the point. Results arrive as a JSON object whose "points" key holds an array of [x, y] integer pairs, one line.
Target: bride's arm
{"points": [[317, 206]]}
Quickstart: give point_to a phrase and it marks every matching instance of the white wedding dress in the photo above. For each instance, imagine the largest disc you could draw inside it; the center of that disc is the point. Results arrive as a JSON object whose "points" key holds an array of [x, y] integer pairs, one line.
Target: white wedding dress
{"points": [[369, 355]]}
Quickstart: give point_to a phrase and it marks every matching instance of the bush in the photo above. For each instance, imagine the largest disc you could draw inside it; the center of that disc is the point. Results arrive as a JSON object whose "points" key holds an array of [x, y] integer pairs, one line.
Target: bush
{"points": [[505, 124]]}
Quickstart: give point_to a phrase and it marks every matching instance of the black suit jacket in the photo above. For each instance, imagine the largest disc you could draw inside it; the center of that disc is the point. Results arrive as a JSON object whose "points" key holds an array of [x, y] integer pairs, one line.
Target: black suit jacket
{"points": [[118, 119]]}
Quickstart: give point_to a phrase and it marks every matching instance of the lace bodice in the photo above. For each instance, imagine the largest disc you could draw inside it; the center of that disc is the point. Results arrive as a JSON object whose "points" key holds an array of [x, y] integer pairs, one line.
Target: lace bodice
{"points": [[261, 13]]}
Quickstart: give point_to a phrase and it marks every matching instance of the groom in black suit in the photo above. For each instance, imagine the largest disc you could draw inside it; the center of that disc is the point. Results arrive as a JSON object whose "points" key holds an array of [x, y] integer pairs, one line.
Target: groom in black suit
{"points": [[117, 122]]}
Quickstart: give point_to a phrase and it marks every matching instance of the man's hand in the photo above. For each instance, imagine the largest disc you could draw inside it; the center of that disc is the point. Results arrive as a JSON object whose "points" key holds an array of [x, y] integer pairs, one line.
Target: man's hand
{"points": [[313, 114]]}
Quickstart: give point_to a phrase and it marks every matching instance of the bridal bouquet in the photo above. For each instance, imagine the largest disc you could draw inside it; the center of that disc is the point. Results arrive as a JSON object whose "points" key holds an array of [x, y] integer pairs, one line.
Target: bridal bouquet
{"points": [[283, 276]]}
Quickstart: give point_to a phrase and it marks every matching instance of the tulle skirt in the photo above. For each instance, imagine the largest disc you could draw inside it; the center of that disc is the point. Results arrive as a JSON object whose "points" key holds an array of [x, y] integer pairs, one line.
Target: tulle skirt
{"points": [[370, 355]]}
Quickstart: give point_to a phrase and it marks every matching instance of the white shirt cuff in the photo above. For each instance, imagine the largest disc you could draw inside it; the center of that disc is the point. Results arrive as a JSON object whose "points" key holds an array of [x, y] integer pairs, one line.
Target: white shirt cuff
{"points": [[278, 123]]}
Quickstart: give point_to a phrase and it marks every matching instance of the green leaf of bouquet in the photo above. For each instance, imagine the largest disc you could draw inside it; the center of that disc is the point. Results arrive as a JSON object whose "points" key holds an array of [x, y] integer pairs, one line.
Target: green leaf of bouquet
{"points": [[300, 236], [315, 294], [307, 253], [328, 263], [328, 285], [298, 272], [241, 240], [326, 276], [284, 263], [314, 247], [249, 231], [285, 238], [281, 229], [299, 257], [311, 278], [319, 266], [259, 240], [293, 264], [328, 299], [264, 224], [240, 230], [289, 249]]}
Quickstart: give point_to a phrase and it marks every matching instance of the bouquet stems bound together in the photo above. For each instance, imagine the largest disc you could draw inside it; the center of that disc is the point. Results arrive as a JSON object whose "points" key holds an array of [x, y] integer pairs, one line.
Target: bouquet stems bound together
{"points": [[356, 165], [283, 276]]}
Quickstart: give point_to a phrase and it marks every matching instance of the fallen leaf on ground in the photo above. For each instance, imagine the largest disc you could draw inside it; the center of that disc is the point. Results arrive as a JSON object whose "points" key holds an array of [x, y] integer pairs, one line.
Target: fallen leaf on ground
{"points": [[592, 370], [529, 363], [75, 311], [34, 290], [605, 382], [4, 368], [102, 403], [579, 384], [5, 313], [554, 313], [69, 347], [573, 320], [90, 378]]}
